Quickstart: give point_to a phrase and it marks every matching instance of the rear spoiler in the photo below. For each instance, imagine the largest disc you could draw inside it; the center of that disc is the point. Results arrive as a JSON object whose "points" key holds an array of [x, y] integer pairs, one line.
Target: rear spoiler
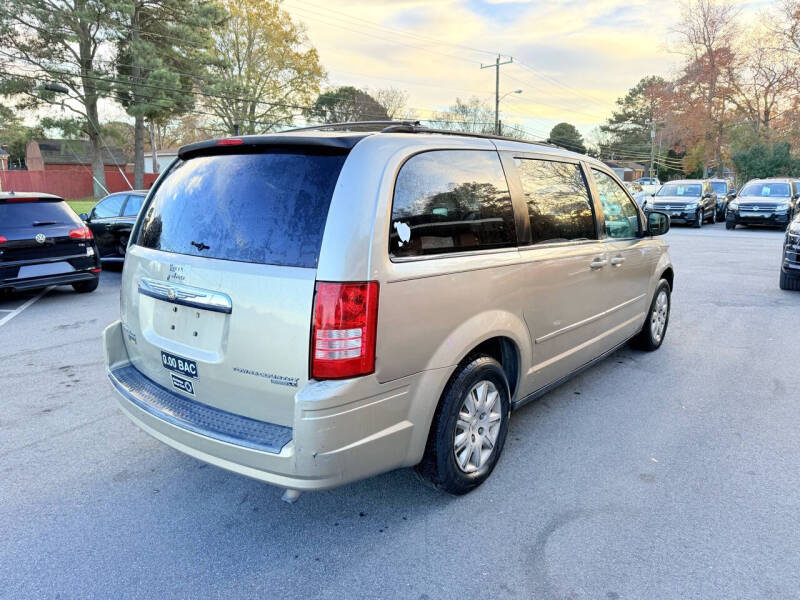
{"points": [[251, 143]]}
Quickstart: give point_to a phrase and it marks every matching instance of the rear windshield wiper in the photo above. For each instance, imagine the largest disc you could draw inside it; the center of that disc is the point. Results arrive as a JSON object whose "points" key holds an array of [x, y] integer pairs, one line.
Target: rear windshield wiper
{"points": [[42, 223]]}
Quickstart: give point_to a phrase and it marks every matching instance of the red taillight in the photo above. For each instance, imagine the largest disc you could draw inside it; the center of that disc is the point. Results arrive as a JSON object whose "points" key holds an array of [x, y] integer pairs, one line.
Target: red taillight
{"points": [[95, 270], [2, 240], [230, 142], [81, 233], [343, 332]]}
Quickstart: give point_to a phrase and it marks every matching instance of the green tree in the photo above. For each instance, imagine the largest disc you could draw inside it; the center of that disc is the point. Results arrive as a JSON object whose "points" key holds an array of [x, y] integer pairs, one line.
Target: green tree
{"points": [[164, 49], [14, 135], [766, 160], [344, 105], [630, 124], [50, 50], [265, 71], [567, 136]]}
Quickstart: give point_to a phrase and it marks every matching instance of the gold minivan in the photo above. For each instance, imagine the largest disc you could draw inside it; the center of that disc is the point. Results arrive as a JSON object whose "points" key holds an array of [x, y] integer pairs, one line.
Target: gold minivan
{"points": [[317, 306]]}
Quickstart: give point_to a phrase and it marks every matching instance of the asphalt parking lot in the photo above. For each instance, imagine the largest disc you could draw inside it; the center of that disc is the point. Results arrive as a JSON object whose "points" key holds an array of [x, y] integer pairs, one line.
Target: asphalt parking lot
{"points": [[664, 475]]}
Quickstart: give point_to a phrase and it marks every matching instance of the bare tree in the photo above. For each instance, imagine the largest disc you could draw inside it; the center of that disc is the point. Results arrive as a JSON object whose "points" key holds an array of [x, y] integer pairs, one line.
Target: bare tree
{"points": [[705, 35], [393, 100]]}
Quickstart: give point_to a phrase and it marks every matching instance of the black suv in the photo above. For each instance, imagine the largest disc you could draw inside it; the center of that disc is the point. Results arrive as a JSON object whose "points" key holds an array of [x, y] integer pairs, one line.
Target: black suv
{"points": [[725, 191], [790, 269], [43, 242], [766, 202], [689, 201]]}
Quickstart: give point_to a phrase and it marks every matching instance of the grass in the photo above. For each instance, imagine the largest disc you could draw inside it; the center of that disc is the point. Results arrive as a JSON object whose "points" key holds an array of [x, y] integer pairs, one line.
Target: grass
{"points": [[84, 205]]}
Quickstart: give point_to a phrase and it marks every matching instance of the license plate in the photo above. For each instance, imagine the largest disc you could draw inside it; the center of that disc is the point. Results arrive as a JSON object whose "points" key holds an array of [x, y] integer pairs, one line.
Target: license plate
{"points": [[179, 365]]}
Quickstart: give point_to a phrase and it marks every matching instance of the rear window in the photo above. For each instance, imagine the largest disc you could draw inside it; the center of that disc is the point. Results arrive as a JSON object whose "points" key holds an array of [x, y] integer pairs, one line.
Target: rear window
{"points": [[267, 208], [26, 214], [451, 201]]}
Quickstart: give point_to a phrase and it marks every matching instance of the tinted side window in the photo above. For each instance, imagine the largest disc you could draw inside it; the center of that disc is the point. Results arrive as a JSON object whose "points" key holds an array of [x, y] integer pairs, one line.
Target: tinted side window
{"points": [[622, 218], [558, 201], [133, 205], [451, 201], [109, 207]]}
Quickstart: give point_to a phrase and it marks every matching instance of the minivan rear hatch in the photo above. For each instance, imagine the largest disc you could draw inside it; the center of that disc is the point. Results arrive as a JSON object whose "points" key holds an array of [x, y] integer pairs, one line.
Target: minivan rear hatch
{"points": [[219, 279]]}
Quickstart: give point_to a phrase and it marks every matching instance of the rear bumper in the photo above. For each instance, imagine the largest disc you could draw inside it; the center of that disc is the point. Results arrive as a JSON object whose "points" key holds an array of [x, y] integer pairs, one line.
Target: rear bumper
{"points": [[40, 282], [342, 430], [81, 266]]}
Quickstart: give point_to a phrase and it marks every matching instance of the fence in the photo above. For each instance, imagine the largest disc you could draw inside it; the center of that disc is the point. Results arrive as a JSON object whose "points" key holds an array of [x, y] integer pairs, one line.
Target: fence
{"points": [[68, 184]]}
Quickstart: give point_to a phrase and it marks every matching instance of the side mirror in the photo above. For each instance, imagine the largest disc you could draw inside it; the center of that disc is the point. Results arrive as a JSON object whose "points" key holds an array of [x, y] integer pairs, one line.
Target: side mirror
{"points": [[732, 195], [796, 196], [84, 216], [657, 223], [653, 194], [706, 196]]}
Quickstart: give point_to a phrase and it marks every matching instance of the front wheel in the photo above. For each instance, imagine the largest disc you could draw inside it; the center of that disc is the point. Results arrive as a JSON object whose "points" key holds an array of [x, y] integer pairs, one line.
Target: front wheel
{"points": [[730, 225], [698, 222], [655, 326], [469, 428], [714, 217]]}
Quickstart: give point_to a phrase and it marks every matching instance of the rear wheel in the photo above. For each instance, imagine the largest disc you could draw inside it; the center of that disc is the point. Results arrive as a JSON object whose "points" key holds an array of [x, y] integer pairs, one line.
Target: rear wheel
{"points": [[84, 287], [789, 283], [655, 326], [469, 428]]}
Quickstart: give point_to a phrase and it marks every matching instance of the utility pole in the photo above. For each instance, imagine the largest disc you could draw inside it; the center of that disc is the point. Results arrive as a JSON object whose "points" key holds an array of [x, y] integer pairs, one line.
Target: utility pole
{"points": [[496, 66], [652, 147]]}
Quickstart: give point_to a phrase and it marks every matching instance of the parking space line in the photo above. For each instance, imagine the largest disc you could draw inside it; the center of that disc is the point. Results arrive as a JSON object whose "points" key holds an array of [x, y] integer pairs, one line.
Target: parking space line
{"points": [[19, 309]]}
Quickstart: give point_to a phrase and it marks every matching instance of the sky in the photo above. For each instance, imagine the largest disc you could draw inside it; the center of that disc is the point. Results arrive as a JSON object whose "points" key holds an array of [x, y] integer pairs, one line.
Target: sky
{"points": [[571, 58]]}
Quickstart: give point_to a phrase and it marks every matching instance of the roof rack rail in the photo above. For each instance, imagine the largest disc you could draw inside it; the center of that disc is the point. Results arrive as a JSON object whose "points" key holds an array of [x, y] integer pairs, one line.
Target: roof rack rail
{"points": [[409, 127], [350, 125]]}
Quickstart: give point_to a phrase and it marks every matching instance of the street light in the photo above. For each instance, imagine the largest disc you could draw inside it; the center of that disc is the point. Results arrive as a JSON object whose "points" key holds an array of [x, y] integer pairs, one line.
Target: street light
{"points": [[497, 110]]}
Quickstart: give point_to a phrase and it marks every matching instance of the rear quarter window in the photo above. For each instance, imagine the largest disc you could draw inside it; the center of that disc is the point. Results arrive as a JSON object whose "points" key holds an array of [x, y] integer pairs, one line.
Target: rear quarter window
{"points": [[451, 201], [267, 207]]}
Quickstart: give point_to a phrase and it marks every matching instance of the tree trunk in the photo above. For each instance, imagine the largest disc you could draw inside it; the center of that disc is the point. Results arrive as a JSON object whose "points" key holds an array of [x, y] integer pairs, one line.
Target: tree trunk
{"points": [[98, 167], [138, 122], [153, 147], [138, 152]]}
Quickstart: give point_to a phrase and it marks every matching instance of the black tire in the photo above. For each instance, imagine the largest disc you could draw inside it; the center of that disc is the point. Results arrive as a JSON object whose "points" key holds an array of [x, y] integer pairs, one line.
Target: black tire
{"points": [[645, 340], [698, 222], [84, 287], [714, 217], [439, 464], [789, 283], [730, 225]]}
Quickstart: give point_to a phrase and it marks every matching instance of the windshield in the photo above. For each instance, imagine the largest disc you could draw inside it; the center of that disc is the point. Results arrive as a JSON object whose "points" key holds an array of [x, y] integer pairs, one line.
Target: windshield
{"points": [[692, 190], [38, 212], [767, 190], [719, 187], [267, 208]]}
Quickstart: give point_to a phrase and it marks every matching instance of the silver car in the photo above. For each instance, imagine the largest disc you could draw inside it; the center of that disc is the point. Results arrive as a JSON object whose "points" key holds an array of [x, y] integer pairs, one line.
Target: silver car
{"points": [[315, 307]]}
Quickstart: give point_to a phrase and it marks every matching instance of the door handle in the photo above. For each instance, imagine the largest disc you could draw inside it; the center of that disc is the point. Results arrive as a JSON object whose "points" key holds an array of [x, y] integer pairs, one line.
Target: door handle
{"points": [[598, 263], [617, 261]]}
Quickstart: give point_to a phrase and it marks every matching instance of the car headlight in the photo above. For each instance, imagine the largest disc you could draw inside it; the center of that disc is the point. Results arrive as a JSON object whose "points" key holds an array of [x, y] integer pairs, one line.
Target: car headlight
{"points": [[733, 205], [691, 206], [794, 228], [782, 206]]}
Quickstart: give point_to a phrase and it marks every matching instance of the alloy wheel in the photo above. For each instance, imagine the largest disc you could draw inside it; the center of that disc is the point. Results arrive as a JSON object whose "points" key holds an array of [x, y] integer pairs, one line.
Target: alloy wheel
{"points": [[478, 426]]}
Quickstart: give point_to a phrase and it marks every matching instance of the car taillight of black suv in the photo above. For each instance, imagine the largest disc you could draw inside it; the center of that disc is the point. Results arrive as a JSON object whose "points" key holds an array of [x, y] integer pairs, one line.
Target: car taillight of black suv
{"points": [[43, 243]]}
